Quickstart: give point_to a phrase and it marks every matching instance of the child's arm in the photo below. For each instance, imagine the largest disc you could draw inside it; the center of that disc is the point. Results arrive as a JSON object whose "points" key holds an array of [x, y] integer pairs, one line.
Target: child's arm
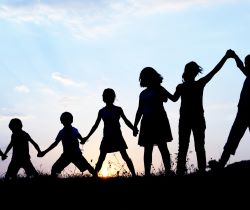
{"points": [[8, 148], [52, 146], [210, 75], [176, 95], [83, 140], [137, 118], [3, 155], [35, 145], [79, 136], [164, 94], [239, 63], [127, 122]]}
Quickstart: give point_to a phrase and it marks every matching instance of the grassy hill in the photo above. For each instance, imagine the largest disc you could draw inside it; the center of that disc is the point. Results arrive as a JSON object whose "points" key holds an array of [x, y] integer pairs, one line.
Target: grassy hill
{"points": [[228, 186]]}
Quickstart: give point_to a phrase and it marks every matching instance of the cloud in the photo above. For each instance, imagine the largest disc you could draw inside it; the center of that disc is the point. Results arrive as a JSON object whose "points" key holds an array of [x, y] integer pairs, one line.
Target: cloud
{"points": [[8, 116], [69, 101], [90, 19], [66, 81], [22, 89], [48, 91], [61, 98], [221, 106]]}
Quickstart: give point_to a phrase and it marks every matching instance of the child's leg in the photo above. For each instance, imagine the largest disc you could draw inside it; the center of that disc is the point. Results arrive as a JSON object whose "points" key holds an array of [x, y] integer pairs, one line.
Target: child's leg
{"points": [[60, 164], [29, 168], [184, 138], [129, 162], [12, 170], [82, 164], [165, 156], [224, 158], [100, 161], [199, 143], [148, 159], [238, 129]]}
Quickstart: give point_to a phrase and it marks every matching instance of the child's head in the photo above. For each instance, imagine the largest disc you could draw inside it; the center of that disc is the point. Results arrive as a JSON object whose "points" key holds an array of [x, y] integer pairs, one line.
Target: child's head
{"points": [[108, 96], [66, 118], [192, 69], [247, 62], [149, 77], [15, 124]]}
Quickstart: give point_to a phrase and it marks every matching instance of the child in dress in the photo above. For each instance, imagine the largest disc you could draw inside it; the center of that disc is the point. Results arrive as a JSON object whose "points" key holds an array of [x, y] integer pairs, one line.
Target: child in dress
{"points": [[112, 140], [155, 128]]}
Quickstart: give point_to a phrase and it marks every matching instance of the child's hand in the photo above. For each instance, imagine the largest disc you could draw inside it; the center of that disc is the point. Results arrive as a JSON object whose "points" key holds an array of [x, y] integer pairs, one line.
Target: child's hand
{"points": [[40, 154], [4, 157], [135, 131], [230, 53], [83, 140]]}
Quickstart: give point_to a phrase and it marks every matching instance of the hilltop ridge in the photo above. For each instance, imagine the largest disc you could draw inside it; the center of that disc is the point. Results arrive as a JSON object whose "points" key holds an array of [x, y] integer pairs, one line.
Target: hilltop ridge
{"points": [[140, 191]]}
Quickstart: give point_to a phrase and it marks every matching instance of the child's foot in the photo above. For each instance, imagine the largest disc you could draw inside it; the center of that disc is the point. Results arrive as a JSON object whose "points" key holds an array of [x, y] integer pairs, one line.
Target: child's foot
{"points": [[170, 173], [214, 165], [134, 175]]}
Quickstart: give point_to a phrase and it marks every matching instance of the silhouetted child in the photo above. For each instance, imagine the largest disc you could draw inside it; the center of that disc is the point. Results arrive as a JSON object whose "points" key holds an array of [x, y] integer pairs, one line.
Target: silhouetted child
{"points": [[192, 113], [20, 151], [71, 151], [154, 128], [112, 140], [242, 120]]}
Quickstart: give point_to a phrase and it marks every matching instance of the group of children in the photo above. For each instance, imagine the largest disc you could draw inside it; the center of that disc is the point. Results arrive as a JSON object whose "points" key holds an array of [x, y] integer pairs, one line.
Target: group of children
{"points": [[154, 129], [112, 141]]}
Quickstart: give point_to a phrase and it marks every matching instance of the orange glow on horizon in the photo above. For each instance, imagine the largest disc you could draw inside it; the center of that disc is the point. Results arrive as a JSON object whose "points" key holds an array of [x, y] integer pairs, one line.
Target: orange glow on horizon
{"points": [[107, 172], [104, 172]]}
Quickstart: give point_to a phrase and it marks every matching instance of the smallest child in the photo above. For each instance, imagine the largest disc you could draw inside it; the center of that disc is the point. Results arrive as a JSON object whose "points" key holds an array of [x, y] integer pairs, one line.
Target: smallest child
{"points": [[20, 155]]}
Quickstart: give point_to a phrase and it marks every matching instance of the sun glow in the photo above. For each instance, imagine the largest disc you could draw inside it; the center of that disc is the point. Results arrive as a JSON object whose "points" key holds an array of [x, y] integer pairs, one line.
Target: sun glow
{"points": [[104, 172], [108, 171]]}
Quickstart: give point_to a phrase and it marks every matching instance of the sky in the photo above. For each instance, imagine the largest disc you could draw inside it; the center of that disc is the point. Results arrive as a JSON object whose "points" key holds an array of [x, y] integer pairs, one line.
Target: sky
{"points": [[58, 56]]}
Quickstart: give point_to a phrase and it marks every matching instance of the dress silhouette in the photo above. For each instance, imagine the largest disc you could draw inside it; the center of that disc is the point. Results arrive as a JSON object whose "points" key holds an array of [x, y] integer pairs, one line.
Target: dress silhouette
{"points": [[112, 140], [20, 151], [154, 128], [242, 120], [69, 136], [192, 113]]}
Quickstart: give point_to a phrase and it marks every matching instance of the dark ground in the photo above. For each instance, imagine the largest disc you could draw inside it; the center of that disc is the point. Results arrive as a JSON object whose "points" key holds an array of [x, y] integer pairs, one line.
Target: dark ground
{"points": [[227, 188]]}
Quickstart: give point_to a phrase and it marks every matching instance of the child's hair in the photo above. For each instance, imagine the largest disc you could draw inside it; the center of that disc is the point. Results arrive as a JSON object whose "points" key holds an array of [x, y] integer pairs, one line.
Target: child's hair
{"points": [[15, 123], [247, 60], [191, 70], [66, 118], [108, 95], [149, 76]]}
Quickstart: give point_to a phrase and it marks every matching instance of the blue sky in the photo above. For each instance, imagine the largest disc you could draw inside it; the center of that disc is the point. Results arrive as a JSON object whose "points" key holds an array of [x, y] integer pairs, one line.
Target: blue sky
{"points": [[58, 56]]}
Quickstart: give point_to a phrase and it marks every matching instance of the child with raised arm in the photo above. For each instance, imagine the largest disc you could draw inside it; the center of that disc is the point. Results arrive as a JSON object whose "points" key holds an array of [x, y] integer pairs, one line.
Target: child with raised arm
{"points": [[192, 112], [20, 151], [155, 129], [242, 119], [112, 140], [70, 137]]}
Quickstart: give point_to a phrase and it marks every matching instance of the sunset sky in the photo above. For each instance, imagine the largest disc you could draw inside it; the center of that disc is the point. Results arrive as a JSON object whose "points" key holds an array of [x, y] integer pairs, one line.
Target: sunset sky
{"points": [[60, 55]]}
